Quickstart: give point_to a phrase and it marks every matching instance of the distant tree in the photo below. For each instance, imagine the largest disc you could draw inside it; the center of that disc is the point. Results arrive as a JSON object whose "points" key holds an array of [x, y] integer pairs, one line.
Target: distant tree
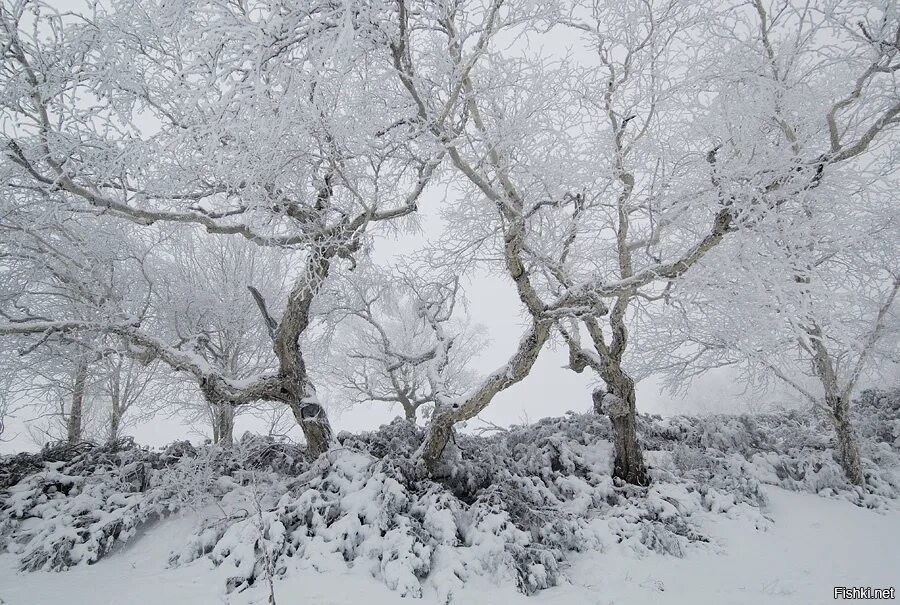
{"points": [[131, 391], [56, 389], [205, 306], [398, 341], [60, 265]]}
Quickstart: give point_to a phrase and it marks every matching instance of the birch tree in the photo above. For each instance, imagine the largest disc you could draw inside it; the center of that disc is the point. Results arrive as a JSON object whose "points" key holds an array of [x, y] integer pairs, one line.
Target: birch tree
{"points": [[59, 265], [608, 178], [206, 306], [132, 390], [818, 265], [56, 393], [247, 119]]}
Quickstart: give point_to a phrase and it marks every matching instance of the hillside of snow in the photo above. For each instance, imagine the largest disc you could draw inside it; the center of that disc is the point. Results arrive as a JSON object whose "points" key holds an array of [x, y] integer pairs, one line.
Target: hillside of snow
{"points": [[811, 545], [741, 509]]}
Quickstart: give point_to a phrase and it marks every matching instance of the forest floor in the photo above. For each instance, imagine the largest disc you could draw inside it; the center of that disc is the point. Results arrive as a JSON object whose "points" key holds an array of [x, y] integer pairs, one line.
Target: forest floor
{"points": [[813, 544]]}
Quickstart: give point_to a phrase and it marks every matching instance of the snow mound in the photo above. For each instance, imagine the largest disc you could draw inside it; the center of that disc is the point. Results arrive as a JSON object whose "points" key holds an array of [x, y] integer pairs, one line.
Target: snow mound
{"points": [[511, 505]]}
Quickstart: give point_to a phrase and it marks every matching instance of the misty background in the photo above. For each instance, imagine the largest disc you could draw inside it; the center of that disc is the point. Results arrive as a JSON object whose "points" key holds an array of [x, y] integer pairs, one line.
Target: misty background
{"points": [[550, 390]]}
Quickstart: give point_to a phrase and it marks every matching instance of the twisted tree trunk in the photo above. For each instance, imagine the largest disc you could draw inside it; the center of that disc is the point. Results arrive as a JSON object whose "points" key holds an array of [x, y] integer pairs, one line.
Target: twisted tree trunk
{"points": [[409, 408], [295, 387], [313, 420], [446, 415], [618, 402]]}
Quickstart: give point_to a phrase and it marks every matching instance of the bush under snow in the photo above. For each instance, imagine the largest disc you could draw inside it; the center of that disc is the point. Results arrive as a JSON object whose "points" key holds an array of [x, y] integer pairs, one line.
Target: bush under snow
{"points": [[511, 506]]}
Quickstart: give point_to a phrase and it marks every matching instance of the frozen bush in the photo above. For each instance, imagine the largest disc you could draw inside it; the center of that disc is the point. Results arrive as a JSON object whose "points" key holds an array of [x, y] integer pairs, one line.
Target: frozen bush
{"points": [[511, 506]]}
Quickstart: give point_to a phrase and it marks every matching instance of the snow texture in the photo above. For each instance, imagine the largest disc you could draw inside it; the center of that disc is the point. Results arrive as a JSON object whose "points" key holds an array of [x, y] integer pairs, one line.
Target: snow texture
{"points": [[514, 505]]}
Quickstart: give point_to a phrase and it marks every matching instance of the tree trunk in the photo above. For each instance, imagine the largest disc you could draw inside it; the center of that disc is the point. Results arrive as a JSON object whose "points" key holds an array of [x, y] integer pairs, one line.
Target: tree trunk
{"points": [[115, 420], [409, 410], [214, 417], [316, 428], [838, 404], [76, 413], [440, 431], [297, 390], [312, 418], [225, 422], [618, 402], [847, 450]]}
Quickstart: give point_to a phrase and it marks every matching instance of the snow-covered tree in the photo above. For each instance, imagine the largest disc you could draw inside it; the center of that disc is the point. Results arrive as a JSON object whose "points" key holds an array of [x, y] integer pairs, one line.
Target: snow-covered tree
{"points": [[248, 119], [604, 179], [397, 341], [813, 282], [205, 305], [812, 304], [60, 265], [130, 391], [592, 177]]}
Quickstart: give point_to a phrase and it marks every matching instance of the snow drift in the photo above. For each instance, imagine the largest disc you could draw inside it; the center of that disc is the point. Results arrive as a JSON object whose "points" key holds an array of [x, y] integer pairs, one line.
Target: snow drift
{"points": [[511, 505]]}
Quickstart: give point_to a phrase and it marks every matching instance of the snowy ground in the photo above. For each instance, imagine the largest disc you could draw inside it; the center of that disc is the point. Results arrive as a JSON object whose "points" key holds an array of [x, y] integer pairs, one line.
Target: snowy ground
{"points": [[814, 544]]}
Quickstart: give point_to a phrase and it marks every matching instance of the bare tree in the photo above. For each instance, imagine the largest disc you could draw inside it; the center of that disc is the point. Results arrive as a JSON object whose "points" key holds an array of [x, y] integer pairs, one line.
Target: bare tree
{"points": [[401, 340], [55, 387], [612, 177], [206, 307], [60, 266], [128, 385], [592, 181], [812, 306], [159, 148]]}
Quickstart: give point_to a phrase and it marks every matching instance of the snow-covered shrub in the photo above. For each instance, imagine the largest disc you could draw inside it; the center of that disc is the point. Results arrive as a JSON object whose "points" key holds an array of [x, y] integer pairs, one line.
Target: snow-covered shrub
{"points": [[878, 416], [74, 505], [793, 450], [75, 510], [511, 505]]}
